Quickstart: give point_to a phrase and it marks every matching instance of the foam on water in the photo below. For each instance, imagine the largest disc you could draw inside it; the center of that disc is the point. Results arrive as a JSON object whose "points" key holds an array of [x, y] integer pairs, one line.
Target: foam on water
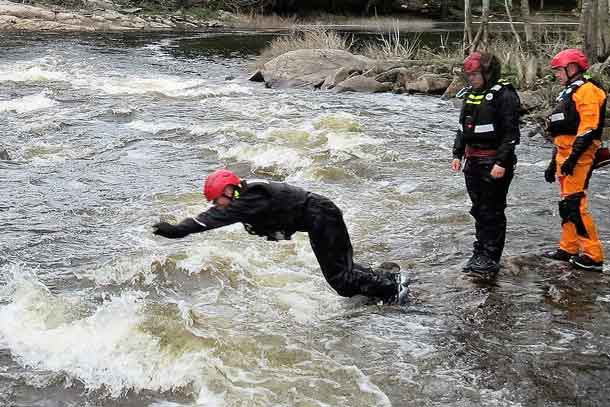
{"points": [[128, 343], [19, 73], [267, 156], [28, 103], [171, 86], [105, 350], [154, 127]]}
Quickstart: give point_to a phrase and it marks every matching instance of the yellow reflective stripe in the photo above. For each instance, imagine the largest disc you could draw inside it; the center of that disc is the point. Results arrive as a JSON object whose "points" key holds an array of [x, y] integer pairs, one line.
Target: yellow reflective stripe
{"points": [[474, 102], [476, 97]]}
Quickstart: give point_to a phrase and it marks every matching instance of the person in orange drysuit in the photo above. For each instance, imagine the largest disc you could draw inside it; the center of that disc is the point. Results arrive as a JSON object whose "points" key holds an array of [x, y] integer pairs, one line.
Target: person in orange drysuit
{"points": [[576, 125]]}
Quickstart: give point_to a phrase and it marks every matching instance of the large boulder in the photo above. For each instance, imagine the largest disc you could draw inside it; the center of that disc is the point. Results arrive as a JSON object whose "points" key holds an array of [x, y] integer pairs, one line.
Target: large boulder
{"points": [[4, 154], [361, 83], [531, 101], [309, 68]]}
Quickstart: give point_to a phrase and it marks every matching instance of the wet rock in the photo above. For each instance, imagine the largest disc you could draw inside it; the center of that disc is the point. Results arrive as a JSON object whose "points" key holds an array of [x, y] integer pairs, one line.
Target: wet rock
{"points": [[361, 83], [132, 10], [429, 84], [454, 87], [530, 101], [339, 76], [257, 77], [4, 155], [309, 68], [102, 17], [397, 75]]}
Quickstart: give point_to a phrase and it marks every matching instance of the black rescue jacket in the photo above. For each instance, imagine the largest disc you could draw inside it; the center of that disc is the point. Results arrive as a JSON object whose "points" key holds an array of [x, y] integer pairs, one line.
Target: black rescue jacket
{"points": [[274, 210], [489, 120]]}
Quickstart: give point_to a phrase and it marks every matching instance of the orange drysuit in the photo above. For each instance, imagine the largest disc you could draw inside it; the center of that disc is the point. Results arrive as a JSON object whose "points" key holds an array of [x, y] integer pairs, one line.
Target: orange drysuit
{"points": [[581, 108]]}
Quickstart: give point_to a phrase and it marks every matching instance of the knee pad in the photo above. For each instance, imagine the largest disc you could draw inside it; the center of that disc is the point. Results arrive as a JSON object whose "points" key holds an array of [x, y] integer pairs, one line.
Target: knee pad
{"points": [[569, 210]]}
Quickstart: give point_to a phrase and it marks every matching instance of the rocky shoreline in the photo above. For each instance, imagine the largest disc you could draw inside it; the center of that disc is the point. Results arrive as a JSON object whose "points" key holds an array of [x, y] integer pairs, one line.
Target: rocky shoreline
{"points": [[98, 16], [341, 71]]}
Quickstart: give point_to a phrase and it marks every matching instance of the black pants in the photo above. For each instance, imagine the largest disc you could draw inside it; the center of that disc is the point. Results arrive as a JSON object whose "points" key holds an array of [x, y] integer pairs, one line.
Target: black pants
{"points": [[488, 196], [331, 244]]}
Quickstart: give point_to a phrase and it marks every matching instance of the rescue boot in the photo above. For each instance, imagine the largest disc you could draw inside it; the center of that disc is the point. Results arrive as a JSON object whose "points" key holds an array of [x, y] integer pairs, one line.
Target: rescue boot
{"points": [[388, 267], [559, 254], [401, 295], [483, 264], [585, 262], [401, 284], [468, 266]]}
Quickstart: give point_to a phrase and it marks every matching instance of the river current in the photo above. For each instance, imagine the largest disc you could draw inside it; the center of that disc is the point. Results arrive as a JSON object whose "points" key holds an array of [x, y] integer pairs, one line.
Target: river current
{"points": [[107, 134]]}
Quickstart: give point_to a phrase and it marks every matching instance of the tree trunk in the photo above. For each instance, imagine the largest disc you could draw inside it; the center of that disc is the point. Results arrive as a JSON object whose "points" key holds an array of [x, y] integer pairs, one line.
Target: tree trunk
{"points": [[481, 39], [512, 26], [467, 25], [444, 9], [485, 22], [604, 31], [527, 26], [588, 28]]}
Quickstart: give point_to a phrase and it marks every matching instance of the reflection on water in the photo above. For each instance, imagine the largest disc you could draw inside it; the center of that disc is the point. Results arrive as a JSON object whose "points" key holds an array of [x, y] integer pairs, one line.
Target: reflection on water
{"points": [[109, 133]]}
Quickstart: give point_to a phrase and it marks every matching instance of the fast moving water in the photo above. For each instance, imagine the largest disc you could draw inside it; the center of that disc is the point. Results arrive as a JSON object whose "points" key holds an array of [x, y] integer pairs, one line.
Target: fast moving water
{"points": [[108, 134]]}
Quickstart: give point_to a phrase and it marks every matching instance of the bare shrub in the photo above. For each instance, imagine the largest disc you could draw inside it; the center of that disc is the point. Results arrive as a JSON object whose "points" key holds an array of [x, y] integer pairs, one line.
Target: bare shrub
{"points": [[392, 46]]}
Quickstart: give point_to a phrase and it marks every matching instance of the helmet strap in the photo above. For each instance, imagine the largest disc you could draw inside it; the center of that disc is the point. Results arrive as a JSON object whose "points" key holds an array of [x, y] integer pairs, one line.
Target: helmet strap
{"points": [[571, 78]]}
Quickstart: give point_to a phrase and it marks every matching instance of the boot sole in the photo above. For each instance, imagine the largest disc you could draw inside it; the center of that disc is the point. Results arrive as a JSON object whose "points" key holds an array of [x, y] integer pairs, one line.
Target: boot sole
{"points": [[599, 269]]}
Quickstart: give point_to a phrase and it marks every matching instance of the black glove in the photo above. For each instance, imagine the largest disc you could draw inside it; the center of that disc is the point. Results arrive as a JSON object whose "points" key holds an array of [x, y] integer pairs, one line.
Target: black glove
{"points": [[567, 168], [549, 173], [166, 230]]}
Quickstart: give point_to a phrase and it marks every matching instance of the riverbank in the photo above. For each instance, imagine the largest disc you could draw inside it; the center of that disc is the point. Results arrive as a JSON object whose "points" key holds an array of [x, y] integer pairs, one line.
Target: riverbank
{"points": [[322, 59], [99, 16]]}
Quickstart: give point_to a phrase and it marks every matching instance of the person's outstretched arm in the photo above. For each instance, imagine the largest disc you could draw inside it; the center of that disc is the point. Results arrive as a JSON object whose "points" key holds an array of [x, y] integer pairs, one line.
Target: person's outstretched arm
{"points": [[247, 207]]}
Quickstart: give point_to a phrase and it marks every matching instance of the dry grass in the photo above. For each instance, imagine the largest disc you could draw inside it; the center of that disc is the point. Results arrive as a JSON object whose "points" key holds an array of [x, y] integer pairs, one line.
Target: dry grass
{"points": [[392, 46], [313, 38], [259, 21]]}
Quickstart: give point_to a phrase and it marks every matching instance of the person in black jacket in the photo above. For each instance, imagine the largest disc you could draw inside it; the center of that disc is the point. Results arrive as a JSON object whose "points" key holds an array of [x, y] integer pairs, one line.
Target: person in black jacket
{"points": [[276, 211], [486, 139]]}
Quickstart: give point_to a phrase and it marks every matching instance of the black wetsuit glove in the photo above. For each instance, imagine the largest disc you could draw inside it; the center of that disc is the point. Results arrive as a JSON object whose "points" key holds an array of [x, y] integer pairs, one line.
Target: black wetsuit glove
{"points": [[549, 173], [567, 168], [167, 230]]}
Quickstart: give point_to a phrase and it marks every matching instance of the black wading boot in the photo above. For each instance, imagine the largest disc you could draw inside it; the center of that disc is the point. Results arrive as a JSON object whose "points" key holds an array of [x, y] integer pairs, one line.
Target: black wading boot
{"points": [[484, 265], [585, 262], [400, 295], [559, 254]]}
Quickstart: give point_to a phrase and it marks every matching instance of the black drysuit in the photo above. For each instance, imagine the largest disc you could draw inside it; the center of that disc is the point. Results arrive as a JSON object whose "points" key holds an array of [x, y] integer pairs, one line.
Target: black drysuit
{"points": [[276, 211], [489, 124]]}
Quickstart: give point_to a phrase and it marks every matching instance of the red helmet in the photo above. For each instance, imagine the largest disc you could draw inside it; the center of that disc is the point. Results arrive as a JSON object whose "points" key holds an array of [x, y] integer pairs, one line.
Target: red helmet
{"points": [[472, 63], [570, 56], [216, 182]]}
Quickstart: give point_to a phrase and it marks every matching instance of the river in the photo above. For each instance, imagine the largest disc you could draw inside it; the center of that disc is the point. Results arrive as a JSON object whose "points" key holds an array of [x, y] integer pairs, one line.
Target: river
{"points": [[109, 133]]}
